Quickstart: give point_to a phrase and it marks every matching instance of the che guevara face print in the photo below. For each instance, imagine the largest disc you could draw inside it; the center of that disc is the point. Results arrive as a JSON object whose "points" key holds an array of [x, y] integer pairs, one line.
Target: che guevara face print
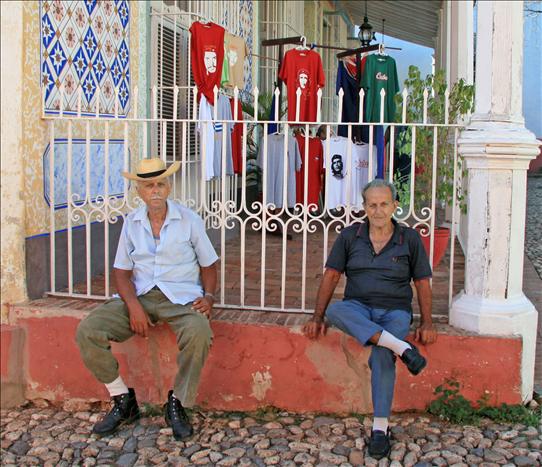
{"points": [[209, 59], [303, 79], [337, 166], [232, 56]]}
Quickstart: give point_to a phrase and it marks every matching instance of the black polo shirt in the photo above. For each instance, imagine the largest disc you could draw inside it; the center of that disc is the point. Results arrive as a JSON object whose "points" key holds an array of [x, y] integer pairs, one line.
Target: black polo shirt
{"points": [[380, 280]]}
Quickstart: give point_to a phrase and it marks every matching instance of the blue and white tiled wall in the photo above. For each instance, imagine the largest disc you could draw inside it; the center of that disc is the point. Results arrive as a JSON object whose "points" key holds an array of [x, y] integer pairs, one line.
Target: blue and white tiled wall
{"points": [[85, 43]]}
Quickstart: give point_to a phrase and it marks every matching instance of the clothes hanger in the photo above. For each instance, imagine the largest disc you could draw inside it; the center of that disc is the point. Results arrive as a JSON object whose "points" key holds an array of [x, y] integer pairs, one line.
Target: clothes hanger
{"points": [[381, 46], [303, 44]]}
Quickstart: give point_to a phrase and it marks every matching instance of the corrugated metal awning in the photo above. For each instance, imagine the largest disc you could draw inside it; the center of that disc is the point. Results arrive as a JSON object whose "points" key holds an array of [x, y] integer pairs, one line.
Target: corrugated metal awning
{"points": [[415, 21]]}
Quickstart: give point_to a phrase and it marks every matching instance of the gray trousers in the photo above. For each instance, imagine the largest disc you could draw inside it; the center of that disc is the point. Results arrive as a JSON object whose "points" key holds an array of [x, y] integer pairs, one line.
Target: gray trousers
{"points": [[111, 323]]}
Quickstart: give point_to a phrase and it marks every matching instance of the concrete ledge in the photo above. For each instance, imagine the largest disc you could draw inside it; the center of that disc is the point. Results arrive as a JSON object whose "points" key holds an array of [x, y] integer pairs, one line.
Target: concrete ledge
{"points": [[12, 380], [261, 359]]}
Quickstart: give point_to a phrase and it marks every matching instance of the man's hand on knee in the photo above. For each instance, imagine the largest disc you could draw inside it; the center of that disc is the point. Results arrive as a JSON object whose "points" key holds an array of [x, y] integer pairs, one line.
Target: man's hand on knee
{"points": [[204, 305], [138, 319]]}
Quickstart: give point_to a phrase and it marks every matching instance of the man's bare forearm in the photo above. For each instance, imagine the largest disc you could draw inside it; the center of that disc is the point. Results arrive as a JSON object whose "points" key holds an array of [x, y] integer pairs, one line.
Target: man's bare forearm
{"points": [[125, 286], [325, 292], [208, 279], [423, 292]]}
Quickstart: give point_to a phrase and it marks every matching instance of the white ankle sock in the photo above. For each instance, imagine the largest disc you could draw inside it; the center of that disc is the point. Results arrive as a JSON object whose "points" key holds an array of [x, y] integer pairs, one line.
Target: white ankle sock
{"points": [[116, 387], [380, 423], [391, 342]]}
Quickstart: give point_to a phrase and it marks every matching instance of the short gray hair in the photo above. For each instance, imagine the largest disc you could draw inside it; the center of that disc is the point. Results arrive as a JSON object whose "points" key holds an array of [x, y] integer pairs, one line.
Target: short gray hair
{"points": [[379, 183]]}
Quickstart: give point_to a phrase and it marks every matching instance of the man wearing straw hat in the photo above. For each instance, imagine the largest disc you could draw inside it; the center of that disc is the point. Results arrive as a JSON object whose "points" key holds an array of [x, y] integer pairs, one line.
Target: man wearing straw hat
{"points": [[164, 271]]}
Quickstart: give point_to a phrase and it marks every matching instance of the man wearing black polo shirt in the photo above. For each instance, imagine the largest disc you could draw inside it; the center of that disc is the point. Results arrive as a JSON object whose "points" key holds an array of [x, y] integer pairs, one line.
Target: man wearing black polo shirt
{"points": [[379, 258]]}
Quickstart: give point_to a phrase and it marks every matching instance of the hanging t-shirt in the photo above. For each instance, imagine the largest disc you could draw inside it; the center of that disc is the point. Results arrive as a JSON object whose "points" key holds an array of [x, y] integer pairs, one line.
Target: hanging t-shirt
{"points": [[207, 52], [221, 128], [274, 170], [350, 113], [344, 182], [351, 65], [237, 139], [360, 171], [335, 169], [211, 137], [315, 171], [207, 137], [302, 69], [380, 73], [236, 51]]}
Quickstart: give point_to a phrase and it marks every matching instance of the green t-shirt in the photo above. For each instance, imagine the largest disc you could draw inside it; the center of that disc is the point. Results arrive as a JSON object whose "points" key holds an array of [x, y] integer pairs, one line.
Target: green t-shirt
{"points": [[380, 73], [225, 78]]}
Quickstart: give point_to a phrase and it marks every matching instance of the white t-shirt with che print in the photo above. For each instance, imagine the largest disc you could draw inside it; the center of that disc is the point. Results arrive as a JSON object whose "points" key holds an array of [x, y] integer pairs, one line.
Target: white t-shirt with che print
{"points": [[335, 148], [344, 187]]}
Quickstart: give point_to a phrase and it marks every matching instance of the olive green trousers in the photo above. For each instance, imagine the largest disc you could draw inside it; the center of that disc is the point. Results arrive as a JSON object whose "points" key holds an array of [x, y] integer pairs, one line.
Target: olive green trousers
{"points": [[111, 323]]}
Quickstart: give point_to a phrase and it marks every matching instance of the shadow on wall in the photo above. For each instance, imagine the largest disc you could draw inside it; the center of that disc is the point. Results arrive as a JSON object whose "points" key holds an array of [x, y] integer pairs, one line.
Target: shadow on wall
{"points": [[38, 254]]}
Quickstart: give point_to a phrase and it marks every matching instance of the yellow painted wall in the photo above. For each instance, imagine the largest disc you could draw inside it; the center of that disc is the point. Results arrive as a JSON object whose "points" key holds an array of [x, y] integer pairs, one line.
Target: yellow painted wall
{"points": [[36, 130], [12, 212]]}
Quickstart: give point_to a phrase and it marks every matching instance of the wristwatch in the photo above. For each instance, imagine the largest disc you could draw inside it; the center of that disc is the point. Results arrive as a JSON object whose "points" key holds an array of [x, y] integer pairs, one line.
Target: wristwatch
{"points": [[207, 294]]}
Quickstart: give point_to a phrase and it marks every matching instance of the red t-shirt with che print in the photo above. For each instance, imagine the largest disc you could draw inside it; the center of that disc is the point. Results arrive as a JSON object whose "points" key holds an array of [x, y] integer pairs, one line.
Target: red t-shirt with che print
{"points": [[302, 69], [207, 52]]}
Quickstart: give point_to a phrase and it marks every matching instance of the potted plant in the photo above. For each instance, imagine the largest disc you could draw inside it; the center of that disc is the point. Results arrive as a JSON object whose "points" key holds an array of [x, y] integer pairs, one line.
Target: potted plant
{"points": [[460, 103]]}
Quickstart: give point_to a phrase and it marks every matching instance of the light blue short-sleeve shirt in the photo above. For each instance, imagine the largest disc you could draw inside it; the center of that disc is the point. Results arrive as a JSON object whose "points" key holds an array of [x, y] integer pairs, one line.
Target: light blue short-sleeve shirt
{"points": [[173, 263]]}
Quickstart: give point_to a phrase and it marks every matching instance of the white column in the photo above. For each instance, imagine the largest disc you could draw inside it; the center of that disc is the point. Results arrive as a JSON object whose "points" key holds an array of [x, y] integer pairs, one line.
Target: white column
{"points": [[12, 219], [462, 41], [497, 150]]}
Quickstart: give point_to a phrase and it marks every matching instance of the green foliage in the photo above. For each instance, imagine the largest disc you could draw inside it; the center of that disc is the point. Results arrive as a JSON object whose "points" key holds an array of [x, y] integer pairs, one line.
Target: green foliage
{"points": [[452, 406], [511, 414], [461, 102]]}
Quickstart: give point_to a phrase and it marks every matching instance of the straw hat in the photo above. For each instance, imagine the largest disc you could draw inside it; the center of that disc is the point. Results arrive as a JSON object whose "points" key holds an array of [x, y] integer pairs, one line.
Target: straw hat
{"points": [[151, 169]]}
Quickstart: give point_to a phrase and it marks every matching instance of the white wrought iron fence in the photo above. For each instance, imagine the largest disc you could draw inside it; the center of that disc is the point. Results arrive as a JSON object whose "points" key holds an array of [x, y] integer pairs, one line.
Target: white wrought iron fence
{"points": [[260, 268]]}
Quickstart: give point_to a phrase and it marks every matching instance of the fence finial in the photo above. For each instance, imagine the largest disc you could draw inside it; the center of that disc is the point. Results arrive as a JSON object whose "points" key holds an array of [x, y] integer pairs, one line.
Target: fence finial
{"points": [[256, 93]]}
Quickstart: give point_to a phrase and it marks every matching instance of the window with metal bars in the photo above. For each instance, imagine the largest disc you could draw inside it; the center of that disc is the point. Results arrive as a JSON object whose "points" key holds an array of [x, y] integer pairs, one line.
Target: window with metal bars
{"points": [[170, 67]]}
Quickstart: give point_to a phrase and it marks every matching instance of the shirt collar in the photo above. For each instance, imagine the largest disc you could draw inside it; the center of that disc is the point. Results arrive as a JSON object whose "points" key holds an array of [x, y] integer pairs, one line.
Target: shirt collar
{"points": [[173, 212], [363, 232]]}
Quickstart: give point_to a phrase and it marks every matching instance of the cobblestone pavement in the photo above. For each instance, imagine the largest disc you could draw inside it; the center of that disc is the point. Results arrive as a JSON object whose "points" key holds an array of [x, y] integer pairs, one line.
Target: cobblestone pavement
{"points": [[57, 437], [533, 243]]}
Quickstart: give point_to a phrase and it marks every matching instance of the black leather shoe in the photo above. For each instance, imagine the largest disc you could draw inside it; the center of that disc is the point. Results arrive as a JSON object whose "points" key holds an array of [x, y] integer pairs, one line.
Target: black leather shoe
{"points": [[125, 410], [414, 360], [379, 444], [176, 418]]}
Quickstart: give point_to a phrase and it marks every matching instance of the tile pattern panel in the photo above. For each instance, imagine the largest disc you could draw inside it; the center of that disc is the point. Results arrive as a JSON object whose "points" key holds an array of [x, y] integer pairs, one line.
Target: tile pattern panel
{"points": [[87, 44], [95, 182]]}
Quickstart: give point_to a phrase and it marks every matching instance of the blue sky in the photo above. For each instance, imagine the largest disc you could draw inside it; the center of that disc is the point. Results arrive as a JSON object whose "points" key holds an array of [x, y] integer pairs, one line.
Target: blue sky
{"points": [[411, 54]]}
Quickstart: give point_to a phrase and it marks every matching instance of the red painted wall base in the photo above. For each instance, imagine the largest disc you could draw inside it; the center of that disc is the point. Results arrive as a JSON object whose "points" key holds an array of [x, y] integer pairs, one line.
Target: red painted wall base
{"points": [[253, 365]]}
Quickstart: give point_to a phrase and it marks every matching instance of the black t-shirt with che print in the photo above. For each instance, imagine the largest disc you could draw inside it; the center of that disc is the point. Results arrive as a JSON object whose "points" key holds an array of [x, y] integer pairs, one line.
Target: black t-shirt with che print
{"points": [[380, 280]]}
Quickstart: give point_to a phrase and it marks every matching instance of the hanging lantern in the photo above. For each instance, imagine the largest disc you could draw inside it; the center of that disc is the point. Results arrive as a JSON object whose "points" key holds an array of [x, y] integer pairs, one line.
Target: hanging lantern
{"points": [[366, 34]]}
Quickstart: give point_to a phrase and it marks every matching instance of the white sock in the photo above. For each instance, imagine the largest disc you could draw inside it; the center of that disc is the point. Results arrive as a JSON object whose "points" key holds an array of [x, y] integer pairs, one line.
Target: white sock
{"points": [[391, 342], [380, 423], [117, 387]]}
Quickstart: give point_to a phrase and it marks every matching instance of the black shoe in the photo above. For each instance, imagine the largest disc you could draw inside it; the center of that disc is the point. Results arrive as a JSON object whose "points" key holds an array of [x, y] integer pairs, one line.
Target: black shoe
{"points": [[414, 360], [176, 418], [125, 410], [379, 444]]}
